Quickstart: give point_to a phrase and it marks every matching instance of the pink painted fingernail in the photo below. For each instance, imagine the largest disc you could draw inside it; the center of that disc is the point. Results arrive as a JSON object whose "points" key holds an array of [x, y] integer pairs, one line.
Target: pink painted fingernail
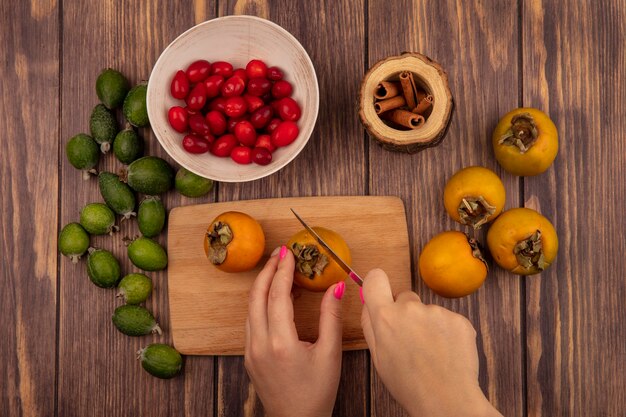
{"points": [[361, 295], [339, 290], [283, 252]]}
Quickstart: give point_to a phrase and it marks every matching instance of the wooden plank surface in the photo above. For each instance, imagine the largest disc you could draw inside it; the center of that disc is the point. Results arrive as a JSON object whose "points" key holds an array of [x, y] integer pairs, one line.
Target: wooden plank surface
{"points": [[209, 307], [574, 68], [333, 163], [98, 372], [29, 117], [477, 45]]}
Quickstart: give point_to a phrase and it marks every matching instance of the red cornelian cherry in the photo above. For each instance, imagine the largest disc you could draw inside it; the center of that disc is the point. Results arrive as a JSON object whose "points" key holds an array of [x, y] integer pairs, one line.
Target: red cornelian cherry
{"points": [[216, 121], [235, 106], [198, 124], [241, 154], [256, 68], [233, 86], [198, 70], [232, 122], [213, 85], [177, 116], [241, 73], [259, 86], [261, 117], [282, 89], [222, 68], [254, 103], [272, 125], [261, 156], [195, 144], [288, 109], [274, 73], [197, 97], [218, 104], [245, 133], [284, 134], [180, 85], [223, 146], [264, 141]]}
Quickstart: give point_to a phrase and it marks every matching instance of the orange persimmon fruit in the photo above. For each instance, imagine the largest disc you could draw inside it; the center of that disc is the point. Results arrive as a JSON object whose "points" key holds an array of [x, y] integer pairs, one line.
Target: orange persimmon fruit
{"points": [[234, 242], [315, 269]]}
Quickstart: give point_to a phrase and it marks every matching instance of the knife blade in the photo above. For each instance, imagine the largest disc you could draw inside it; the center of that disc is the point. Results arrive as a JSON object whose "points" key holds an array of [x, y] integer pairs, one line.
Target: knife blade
{"points": [[353, 275]]}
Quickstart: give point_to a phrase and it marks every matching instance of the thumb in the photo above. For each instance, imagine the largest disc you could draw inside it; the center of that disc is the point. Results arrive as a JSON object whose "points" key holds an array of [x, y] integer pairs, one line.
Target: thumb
{"points": [[330, 329]]}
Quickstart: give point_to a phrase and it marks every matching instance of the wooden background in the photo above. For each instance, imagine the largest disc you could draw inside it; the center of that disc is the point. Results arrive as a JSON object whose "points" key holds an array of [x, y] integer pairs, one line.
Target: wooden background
{"points": [[551, 345]]}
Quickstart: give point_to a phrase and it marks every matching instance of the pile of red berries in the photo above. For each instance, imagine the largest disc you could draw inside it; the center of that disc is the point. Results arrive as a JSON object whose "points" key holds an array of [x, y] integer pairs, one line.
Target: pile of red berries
{"points": [[244, 113]]}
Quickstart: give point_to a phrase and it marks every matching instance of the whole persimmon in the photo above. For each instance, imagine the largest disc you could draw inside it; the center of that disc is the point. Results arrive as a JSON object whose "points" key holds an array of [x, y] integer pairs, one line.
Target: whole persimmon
{"points": [[525, 141], [452, 265], [234, 242], [523, 241], [315, 269], [474, 196]]}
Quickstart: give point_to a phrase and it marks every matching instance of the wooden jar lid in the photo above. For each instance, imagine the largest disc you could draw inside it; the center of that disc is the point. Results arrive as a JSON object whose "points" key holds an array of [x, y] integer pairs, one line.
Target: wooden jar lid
{"points": [[427, 73]]}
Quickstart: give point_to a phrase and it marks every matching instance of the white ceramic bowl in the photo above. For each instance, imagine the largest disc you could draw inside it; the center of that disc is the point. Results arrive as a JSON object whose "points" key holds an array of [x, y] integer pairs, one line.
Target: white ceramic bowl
{"points": [[236, 39]]}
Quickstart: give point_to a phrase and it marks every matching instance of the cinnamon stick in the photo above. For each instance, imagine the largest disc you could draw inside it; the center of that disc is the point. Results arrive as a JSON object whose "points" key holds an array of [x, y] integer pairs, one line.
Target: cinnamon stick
{"points": [[420, 95], [405, 118], [423, 105], [408, 88], [389, 104], [387, 89]]}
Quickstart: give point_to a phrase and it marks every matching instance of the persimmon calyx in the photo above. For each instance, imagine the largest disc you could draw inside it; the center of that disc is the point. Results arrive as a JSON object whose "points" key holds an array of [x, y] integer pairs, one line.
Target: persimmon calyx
{"points": [[309, 260], [476, 252], [220, 235], [475, 211], [523, 132], [529, 252]]}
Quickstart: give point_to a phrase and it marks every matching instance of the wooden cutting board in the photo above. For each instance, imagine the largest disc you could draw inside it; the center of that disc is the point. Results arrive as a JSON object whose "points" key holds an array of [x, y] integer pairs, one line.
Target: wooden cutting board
{"points": [[208, 308]]}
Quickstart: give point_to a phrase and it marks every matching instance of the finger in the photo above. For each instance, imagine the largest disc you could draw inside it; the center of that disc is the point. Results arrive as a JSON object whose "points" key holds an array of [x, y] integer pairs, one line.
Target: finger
{"points": [[407, 296], [368, 332], [279, 304], [330, 329], [257, 299], [376, 290]]}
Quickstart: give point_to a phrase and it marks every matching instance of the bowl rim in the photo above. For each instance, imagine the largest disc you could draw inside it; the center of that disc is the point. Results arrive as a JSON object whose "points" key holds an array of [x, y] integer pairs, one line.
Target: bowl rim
{"points": [[315, 84]]}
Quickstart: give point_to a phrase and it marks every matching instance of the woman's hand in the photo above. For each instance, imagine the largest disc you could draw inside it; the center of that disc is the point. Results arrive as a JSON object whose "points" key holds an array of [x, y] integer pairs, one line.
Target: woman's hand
{"points": [[426, 355], [291, 377]]}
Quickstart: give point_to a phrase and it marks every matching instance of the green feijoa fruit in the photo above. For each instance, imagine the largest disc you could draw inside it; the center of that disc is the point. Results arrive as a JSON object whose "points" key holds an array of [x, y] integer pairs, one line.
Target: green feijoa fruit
{"points": [[151, 216], [103, 127], [118, 196], [147, 254], [98, 219], [149, 175], [135, 110], [111, 88], [160, 360], [135, 321], [128, 146], [135, 288], [103, 268], [192, 185], [83, 153], [73, 241]]}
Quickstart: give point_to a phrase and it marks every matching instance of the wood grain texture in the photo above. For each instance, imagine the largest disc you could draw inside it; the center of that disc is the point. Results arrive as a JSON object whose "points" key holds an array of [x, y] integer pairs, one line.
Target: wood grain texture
{"points": [[477, 44], [574, 68], [209, 307], [98, 372], [29, 118], [333, 163]]}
